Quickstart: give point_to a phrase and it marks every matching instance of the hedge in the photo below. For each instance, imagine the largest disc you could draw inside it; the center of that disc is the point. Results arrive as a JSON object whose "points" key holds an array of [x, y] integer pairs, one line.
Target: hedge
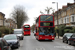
{"points": [[5, 30]]}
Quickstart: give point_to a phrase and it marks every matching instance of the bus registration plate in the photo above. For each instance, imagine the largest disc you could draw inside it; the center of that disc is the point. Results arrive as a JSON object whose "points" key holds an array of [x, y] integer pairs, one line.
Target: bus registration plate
{"points": [[46, 35], [46, 39]]}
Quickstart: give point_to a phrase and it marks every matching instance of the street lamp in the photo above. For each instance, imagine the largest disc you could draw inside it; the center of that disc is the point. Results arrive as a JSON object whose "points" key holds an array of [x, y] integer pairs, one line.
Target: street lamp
{"points": [[57, 17]]}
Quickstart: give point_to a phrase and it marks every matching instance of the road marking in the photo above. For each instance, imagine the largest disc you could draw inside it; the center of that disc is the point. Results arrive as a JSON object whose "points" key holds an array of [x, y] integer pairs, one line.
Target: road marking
{"points": [[40, 49], [64, 47]]}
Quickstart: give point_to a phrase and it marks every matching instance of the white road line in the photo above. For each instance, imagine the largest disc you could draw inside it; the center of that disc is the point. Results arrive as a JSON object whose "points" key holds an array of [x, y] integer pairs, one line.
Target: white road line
{"points": [[40, 48]]}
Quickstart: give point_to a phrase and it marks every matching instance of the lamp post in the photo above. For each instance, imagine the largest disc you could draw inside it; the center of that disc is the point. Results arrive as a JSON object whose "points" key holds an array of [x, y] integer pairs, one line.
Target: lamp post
{"points": [[57, 17]]}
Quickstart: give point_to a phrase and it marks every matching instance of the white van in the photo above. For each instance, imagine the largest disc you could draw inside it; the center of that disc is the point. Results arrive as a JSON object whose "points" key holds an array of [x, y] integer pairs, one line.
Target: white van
{"points": [[19, 33]]}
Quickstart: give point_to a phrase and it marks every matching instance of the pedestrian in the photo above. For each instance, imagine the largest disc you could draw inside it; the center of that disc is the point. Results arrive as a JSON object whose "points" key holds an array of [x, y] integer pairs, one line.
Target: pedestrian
{"points": [[55, 34]]}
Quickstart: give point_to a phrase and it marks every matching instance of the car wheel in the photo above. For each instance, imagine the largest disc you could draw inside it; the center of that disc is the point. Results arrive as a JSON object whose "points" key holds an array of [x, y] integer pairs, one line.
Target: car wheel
{"points": [[22, 38], [69, 43], [17, 47]]}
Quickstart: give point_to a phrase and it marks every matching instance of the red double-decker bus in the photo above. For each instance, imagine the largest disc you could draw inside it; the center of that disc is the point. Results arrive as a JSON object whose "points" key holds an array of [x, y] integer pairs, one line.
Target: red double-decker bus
{"points": [[26, 29], [45, 27]]}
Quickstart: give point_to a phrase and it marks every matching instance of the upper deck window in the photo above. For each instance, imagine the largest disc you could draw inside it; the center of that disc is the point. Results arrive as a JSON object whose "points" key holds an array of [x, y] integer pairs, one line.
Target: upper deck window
{"points": [[26, 26], [46, 18]]}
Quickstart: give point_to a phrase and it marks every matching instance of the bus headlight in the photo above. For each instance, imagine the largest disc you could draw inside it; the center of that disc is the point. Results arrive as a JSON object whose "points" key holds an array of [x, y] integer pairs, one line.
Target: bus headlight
{"points": [[40, 37], [52, 37]]}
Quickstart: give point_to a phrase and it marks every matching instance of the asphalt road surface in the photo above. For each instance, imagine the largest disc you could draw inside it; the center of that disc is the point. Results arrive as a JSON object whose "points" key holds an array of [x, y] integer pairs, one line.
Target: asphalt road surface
{"points": [[30, 43]]}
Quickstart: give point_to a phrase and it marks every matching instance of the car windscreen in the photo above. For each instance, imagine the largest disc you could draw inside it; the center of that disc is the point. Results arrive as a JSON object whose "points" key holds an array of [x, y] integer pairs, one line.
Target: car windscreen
{"points": [[68, 35], [10, 37], [73, 35], [17, 32]]}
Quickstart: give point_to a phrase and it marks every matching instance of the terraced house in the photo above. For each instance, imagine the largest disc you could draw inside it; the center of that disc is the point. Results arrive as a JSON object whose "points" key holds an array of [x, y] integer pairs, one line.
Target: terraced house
{"points": [[2, 19], [66, 15]]}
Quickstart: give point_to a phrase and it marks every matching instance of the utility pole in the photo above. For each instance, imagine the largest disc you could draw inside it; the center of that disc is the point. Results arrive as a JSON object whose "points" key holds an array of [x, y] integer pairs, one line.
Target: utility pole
{"points": [[57, 18]]}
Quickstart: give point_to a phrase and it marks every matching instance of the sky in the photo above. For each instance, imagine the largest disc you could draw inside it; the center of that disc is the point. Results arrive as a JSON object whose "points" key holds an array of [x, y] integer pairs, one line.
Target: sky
{"points": [[32, 7]]}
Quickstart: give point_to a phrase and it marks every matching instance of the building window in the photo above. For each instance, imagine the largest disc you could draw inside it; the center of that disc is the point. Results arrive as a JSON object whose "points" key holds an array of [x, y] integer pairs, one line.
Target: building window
{"points": [[64, 20], [67, 19], [72, 18]]}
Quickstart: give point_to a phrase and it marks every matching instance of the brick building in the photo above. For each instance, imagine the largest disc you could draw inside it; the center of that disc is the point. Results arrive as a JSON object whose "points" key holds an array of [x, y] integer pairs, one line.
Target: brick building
{"points": [[66, 15], [2, 15], [10, 23]]}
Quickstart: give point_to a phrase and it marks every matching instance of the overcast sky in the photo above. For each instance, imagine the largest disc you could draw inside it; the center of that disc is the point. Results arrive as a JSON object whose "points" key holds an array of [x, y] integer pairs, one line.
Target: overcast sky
{"points": [[32, 7]]}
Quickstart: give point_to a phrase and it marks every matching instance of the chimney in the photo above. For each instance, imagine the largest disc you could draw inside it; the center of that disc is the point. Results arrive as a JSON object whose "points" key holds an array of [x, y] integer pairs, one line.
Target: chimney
{"points": [[69, 4]]}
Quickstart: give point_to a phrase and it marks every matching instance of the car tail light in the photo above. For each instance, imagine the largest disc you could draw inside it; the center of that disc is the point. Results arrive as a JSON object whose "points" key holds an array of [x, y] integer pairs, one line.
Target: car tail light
{"points": [[0, 48], [7, 47], [73, 40], [70, 39]]}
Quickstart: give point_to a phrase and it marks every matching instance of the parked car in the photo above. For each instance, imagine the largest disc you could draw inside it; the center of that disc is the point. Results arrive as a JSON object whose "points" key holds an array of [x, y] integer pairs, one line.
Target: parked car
{"points": [[12, 40], [71, 40], [66, 36], [4, 45], [19, 33]]}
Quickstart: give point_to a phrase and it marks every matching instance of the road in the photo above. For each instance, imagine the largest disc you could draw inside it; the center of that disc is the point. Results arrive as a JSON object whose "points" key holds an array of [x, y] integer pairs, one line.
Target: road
{"points": [[30, 43]]}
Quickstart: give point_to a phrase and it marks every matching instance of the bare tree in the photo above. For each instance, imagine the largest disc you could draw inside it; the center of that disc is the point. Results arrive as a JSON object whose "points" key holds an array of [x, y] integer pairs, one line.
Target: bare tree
{"points": [[19, 15], [33, 27], [48, 10]]}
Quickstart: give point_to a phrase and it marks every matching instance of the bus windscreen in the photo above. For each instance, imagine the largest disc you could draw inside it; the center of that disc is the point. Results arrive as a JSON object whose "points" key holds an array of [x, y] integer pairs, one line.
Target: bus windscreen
{"points": [[46, 31], [27, 26], [46, 18]]}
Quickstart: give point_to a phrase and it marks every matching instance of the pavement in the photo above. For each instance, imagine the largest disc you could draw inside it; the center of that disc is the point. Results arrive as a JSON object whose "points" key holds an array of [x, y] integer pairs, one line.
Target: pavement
{"points": [[59, 37]]}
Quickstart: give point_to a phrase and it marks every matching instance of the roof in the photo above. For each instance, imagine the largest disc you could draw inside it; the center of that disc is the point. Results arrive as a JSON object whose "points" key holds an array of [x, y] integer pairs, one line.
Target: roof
{"points": [[2, 13]]}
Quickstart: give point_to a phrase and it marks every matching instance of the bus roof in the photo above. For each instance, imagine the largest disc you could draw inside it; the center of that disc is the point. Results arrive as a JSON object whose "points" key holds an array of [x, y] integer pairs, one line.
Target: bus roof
{"points": [[26, 24], [46, 14], [17, 29]]}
